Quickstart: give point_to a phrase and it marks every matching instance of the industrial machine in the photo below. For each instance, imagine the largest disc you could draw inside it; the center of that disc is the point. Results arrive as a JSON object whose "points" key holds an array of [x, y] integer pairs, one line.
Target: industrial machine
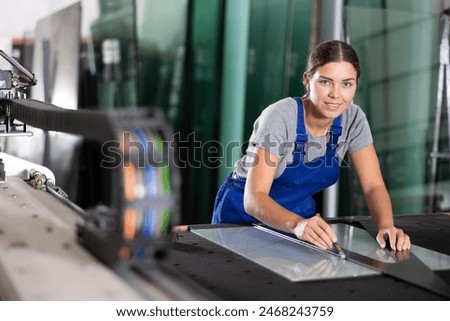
{"points": [[50, 248]]}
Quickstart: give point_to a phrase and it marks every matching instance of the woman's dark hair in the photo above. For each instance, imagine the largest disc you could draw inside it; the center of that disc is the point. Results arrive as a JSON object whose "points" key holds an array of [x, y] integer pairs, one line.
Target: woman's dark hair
{"points": [[332, 51]]}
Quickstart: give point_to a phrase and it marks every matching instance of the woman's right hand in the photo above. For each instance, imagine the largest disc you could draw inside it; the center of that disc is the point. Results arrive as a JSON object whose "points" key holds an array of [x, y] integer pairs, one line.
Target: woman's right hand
{"points": [[316, 231], [260, 205]]}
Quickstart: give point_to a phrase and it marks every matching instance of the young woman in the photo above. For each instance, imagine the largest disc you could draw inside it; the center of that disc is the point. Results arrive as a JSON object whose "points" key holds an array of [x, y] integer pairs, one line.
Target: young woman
{"points": [[295, 151]]}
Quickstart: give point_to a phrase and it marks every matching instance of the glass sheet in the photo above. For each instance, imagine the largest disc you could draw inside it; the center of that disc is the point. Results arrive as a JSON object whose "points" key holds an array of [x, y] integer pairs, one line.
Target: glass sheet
{"points": [[361, 242], [283, 256], [299, 261]]}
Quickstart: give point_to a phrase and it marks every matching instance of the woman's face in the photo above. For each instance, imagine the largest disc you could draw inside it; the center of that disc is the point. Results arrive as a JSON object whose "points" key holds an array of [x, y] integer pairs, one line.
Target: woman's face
{"points": [[332, 88]]}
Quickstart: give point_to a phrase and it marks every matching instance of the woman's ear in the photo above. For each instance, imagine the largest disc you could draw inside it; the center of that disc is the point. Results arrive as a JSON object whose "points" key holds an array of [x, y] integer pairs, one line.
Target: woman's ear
{"points": [[306, 81]]}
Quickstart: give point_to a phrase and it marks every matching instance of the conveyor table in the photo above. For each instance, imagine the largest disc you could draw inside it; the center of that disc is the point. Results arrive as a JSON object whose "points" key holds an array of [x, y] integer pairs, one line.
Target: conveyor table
{"points": [[231, 276]]}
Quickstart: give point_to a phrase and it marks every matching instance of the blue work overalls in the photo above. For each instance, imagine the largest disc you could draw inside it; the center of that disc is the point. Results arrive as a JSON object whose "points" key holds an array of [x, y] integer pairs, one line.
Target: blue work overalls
{"points": [[294, 188]]}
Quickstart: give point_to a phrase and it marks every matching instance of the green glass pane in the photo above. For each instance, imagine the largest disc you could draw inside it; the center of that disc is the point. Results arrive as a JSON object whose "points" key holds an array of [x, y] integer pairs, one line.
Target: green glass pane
{"points": [[398, 49]]}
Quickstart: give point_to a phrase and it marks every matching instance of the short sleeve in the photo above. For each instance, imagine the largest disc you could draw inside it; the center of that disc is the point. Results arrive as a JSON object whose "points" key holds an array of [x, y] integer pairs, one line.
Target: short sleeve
{"points": [[272, 128], [360, 134]]}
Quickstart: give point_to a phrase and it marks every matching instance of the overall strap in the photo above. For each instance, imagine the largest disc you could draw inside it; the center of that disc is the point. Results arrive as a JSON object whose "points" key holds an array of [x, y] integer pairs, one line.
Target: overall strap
{"points": [[301, 136], [335, 132]]}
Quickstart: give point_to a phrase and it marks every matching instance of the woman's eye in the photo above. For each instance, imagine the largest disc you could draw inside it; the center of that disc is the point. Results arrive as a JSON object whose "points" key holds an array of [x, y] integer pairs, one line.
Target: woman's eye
{"points": [[347, 84], [325, 82]]}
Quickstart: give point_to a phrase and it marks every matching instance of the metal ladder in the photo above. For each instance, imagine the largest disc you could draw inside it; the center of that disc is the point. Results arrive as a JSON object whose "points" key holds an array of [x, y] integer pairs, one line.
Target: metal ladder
{"points": [[443, 88]]}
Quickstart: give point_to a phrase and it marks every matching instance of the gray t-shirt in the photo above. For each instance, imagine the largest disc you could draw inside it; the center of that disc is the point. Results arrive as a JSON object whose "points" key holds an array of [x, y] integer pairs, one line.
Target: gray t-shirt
{"points": [[275, 131]]}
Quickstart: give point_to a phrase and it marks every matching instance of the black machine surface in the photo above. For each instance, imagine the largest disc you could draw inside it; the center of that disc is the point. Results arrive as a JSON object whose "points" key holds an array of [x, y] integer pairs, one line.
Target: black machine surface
{"points": [[233, 277]]}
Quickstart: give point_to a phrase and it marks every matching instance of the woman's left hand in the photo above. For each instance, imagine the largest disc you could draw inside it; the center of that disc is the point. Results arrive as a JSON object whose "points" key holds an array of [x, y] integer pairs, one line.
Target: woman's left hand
{"points": [[398, 240]]}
